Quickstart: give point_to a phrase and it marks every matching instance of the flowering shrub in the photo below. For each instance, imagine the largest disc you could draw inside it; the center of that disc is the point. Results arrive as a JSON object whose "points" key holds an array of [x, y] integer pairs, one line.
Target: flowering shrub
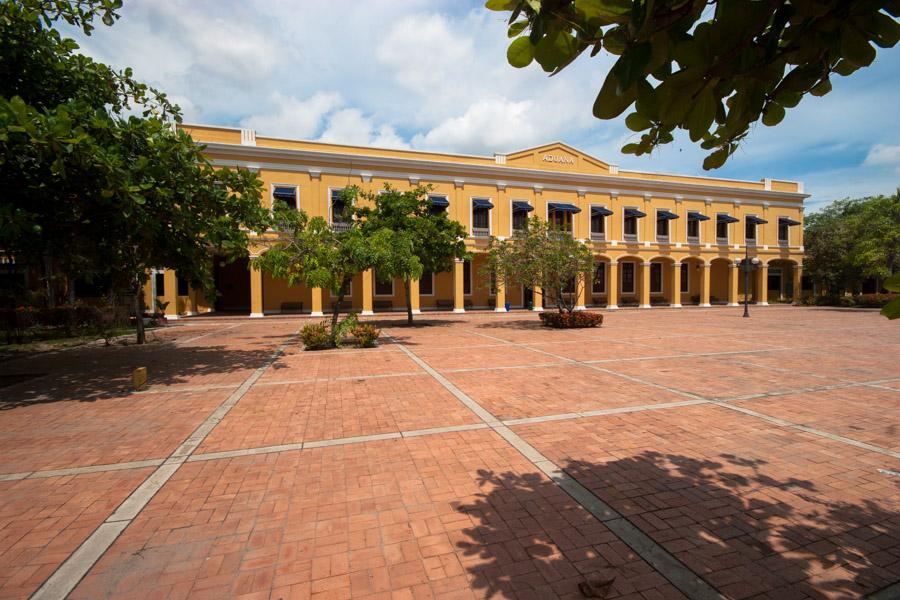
{"points": [[874, 300], [859, 301], [365, 335], [316, 336], [571, 320]]}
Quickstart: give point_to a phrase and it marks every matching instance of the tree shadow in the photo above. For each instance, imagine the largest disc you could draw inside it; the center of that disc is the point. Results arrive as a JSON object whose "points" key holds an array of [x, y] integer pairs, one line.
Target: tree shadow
{"points": [[743, 531], [525, 324], [95, 373]]}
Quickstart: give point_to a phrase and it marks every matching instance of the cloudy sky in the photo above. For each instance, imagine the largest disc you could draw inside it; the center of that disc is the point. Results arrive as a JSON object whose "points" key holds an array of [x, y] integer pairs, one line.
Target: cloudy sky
{"points": [[433, 75]]}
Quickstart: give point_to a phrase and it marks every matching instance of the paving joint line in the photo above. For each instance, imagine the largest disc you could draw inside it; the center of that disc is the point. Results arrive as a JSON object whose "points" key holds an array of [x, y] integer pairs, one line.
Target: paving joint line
{"points": [[727, 405], [676, 572], [66, 576], [205, 335]]}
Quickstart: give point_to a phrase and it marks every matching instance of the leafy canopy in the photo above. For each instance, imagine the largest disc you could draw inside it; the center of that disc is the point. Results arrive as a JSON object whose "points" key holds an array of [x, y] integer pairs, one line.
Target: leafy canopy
{"points": [[95, 179], [418, 239], [541, 255], [710, 67]]}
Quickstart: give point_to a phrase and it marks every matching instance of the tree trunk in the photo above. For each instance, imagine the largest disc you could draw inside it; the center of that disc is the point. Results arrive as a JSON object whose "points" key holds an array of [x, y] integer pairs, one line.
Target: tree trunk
{"points": [[48, 279], [560, 301], [409, 314], [70, 290], [139, 311], [336, 311]]}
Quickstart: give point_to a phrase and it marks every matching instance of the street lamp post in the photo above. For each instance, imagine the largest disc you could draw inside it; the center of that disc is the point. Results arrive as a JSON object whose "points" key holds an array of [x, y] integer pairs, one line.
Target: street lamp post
{"points": [[747, 265]]}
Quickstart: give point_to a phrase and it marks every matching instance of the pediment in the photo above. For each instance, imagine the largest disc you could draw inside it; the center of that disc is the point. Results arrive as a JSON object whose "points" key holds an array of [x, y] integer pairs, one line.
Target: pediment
{"points": [[557, 156]]}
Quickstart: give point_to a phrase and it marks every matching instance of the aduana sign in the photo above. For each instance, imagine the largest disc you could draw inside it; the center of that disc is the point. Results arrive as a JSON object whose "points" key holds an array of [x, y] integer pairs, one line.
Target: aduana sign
{"points": [[558, 158]]}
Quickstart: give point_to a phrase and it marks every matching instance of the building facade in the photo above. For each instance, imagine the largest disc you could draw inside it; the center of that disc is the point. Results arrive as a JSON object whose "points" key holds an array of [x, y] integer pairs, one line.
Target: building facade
{"points": [[659, 240]]}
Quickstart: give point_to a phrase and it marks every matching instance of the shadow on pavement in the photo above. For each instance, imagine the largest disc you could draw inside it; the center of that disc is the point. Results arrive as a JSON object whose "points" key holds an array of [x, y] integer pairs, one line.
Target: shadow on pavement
{"points": [[746, 535]]}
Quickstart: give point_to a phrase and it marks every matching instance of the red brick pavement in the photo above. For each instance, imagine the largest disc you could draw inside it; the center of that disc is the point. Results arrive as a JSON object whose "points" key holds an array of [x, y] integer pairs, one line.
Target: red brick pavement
{"points": [[449, 516]]}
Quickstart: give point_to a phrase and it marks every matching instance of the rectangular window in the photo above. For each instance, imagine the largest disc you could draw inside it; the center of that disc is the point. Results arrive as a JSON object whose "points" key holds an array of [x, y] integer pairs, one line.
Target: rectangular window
{"points": [[627, 277], [749, 230], [721, 229], [656, 286], [426, 284], [339, 221], [685, 275], [467, 277], [662, 227], [784, 232], [598, 284], [598, 227], [383, 288], [630, 227], [439, 205], [561, 220], [693, 230], [160, 283], [347, 290], [183, 288], [283, 195], [519, 219], [481, 217]]}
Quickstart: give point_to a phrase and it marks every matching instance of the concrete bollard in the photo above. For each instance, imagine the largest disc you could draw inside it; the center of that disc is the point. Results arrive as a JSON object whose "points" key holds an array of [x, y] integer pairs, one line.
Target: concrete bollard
{"points": [[139, 378]]}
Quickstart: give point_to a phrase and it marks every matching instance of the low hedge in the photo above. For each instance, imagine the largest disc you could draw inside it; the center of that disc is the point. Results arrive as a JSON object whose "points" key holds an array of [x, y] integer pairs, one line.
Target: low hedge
{"points": [[572, 320], [858, 301]]}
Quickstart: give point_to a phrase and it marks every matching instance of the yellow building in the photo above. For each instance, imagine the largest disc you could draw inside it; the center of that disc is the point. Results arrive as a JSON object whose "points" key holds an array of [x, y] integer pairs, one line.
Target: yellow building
{"points": [[659, 239]]}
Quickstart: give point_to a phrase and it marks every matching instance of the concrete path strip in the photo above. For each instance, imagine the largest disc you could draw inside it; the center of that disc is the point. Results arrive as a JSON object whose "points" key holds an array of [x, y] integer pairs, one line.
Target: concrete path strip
{"points": [[67, 575]]}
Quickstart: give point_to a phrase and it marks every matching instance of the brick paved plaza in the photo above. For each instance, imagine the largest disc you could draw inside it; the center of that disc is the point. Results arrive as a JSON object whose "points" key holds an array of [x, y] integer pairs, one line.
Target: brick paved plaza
{"points": [[690, 452]]}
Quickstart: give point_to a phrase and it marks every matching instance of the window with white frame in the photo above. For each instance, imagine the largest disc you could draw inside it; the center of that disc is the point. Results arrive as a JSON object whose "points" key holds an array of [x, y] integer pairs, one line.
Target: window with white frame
{"points": [[722, 222], [694, 218], [340, 221], [663, 216], [598, 283], [656, 279], [520, 214], [630, 223], [284, 196], [627, 277], [383, 288], [750, 229], [481, 217], [784, 231], [598, 222], [426, 284], [439, 204]]}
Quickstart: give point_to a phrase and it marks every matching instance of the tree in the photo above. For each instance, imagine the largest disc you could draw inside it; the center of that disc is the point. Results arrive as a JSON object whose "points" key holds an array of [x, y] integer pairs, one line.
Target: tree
{"points": [[853, 240], [89, 186], [541, 255], [712, 73], [419, 239], [309, 250]]}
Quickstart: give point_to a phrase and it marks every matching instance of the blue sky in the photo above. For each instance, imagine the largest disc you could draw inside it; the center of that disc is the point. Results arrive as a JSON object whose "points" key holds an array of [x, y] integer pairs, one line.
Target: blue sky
{"points": [[433, 75]]}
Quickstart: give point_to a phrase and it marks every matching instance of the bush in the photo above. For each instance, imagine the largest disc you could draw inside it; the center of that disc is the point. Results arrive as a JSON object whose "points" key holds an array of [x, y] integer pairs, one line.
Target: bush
{"points": [[365, 335], [316, 336], [873, 300], [571, 320]]}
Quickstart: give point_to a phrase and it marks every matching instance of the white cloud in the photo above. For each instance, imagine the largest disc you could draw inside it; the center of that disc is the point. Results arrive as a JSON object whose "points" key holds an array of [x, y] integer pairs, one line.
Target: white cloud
{"points": [[294, 118], [883, 155], [487, 126], [350, 126]]}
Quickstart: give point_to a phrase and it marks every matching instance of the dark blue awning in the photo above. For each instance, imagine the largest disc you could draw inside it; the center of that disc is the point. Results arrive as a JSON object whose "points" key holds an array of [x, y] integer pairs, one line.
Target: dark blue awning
{"points": [[726, 219], [522, 206], [633, 212], [285, 193], [562, 207], [482, 203], [756, 220], [666, 215], [600, 211], [695, 216], [439, 201], [787, 221]]}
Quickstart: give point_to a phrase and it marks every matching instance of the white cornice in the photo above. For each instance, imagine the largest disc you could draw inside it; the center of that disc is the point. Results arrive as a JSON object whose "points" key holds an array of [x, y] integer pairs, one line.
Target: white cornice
{"points": [[563, 181]]}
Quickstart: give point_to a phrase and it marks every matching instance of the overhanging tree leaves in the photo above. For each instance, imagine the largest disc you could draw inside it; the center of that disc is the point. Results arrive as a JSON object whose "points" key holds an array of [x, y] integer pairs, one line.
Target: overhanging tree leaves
{"points": [[89, 187], [711, 72], [541, 255], [417, 239]]}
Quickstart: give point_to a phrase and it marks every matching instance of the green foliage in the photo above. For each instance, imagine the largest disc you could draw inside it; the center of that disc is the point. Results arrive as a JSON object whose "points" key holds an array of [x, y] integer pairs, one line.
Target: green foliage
{"points": [[891, 310], [852, 240], [316, 336], [366, 335], [409, 238], [541, 256], [88, 185], [713, 73], [571, 320]]}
